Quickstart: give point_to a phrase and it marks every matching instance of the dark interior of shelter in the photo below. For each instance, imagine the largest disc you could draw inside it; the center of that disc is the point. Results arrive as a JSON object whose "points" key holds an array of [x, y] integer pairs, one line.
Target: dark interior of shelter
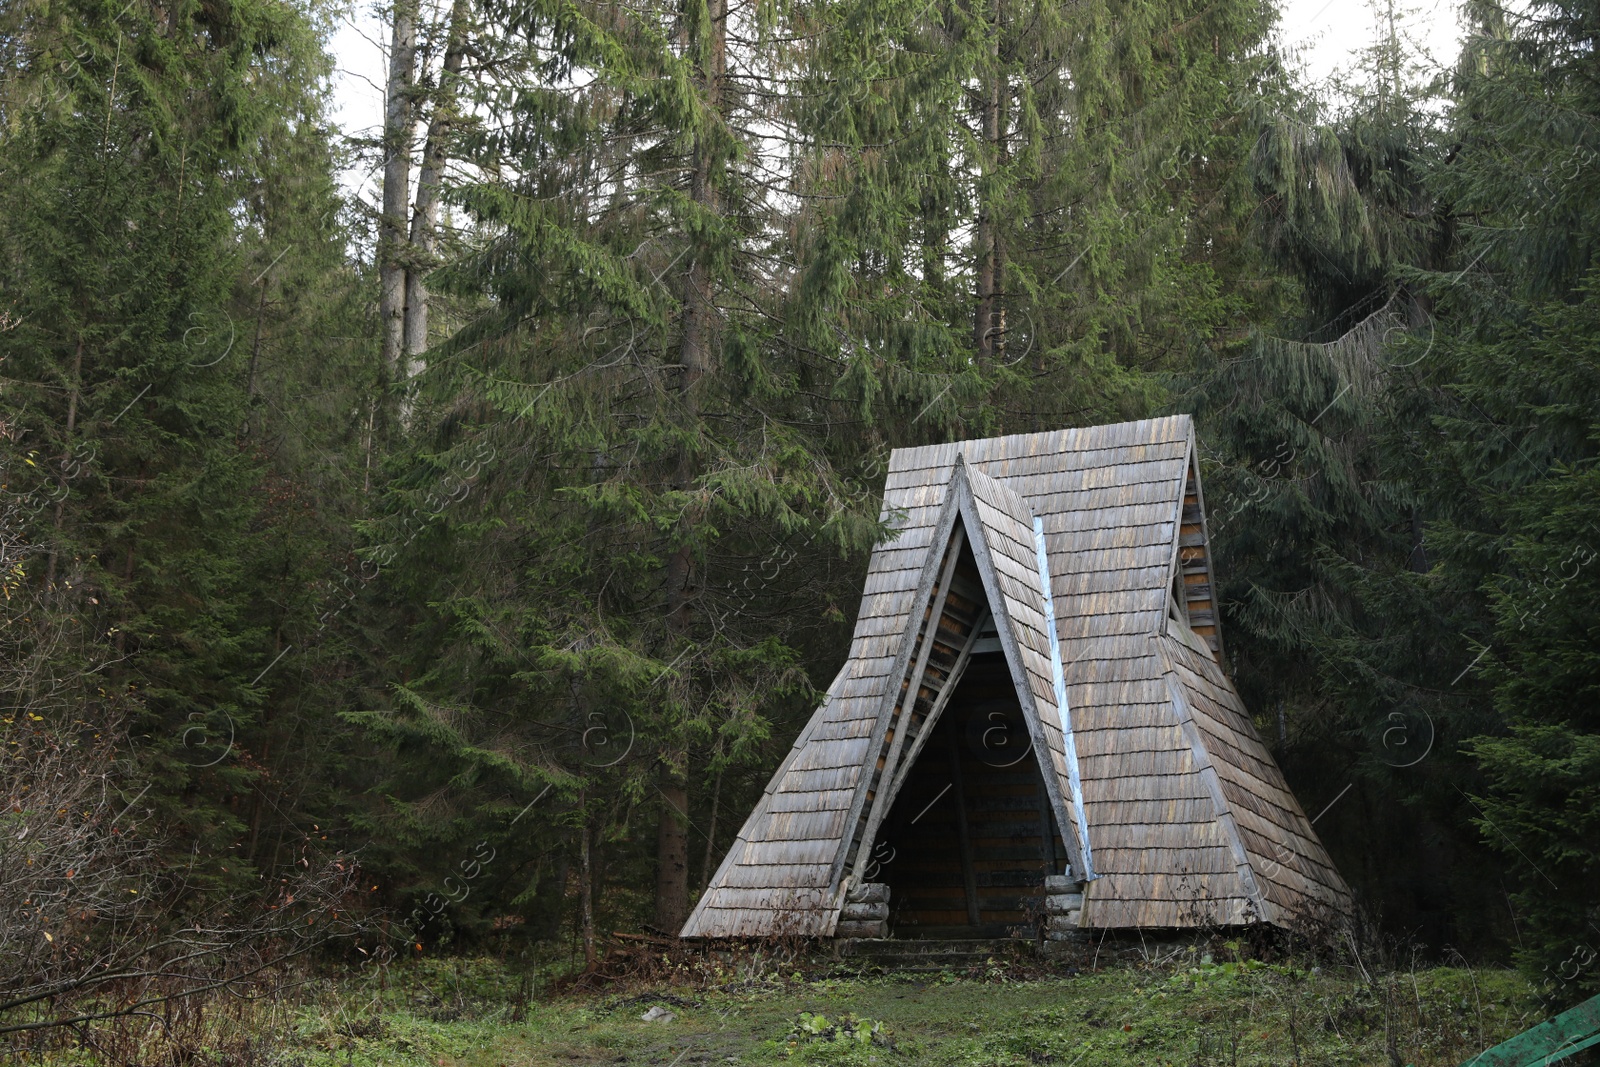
{"points": [[969, 840]]}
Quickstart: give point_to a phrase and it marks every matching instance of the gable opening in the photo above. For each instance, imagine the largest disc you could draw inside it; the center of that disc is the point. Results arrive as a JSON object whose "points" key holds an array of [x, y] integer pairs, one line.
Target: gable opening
{"points": [[1194, 585], [971, 836], [958, 670], [960, 821], [988, 587]]}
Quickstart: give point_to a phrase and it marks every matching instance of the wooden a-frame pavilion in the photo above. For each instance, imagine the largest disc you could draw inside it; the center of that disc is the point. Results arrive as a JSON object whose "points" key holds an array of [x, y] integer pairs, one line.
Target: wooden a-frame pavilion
{"points": [[1033, 720]]}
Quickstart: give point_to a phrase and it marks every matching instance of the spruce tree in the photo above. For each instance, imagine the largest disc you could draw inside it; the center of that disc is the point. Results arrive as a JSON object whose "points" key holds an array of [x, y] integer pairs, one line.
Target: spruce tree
{"points": [[722, 277], [653, 448], [158, 167], [1511, 393], [1347, 643]]}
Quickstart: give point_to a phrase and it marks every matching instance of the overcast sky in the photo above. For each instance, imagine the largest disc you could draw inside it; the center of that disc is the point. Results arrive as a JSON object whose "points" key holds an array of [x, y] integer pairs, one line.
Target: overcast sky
{"points": [[1325, 32], [1328, 31]]}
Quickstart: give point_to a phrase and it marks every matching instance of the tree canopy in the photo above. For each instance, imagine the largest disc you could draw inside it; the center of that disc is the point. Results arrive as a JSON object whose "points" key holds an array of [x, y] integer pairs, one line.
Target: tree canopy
{"points": [[504, 530]]}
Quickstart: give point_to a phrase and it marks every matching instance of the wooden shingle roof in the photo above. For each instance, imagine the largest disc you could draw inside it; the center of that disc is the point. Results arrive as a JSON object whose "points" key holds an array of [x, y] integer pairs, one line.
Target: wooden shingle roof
{"points": [[1189, 820]]}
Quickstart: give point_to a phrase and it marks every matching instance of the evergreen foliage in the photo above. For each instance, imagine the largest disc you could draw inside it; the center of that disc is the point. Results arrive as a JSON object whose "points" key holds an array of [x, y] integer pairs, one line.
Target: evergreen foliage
{"points": [[152, 158], [1403, 497], [1517, 444], [533, 627]]}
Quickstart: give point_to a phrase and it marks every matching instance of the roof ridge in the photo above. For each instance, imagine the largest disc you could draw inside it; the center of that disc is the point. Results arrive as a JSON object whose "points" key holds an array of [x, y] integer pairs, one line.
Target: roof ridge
{"points": [[1176, 427]]}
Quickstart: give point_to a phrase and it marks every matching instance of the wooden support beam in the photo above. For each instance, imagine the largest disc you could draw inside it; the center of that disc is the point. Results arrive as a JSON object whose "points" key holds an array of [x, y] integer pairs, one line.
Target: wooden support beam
{"points": [[903, 712], [855, 820], [925, 731], [1047, 827], [968, 874]]}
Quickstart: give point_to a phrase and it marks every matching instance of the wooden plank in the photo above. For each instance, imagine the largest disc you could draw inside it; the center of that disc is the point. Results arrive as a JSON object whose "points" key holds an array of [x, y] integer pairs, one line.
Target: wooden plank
{"points": [[1001, 608], [925, 731], [964, 836], [885, 797], [1552, 1040], [1208, 775], [1047, 834], [1115, 502], [930, 572], [697, 925], [1195, 489], [1269, 817]]}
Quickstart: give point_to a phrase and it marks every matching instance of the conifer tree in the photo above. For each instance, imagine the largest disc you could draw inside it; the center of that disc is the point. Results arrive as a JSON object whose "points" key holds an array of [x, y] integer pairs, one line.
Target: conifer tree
{"points": [[1510, 392], [976, 176], [1344, 641], [747, 255], [1399, 490], [154, 189], [653, 446]]}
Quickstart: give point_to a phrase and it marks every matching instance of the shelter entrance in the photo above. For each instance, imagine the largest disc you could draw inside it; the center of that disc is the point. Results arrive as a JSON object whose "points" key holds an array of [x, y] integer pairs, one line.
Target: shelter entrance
{"points": [[1059, 581], [970, 837]]}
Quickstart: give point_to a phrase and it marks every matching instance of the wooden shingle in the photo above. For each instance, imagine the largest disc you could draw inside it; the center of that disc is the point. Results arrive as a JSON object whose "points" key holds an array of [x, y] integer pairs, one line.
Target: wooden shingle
{"points": [[1188, 817]]}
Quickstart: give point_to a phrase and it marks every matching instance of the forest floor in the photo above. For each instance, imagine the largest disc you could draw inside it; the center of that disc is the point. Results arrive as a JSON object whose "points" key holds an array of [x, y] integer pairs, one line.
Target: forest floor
{"points": [[1178, 1008]]}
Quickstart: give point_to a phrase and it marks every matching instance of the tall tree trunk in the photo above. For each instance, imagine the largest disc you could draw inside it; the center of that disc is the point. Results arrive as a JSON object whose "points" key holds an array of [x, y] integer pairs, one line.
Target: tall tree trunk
{"points": [[586, 884], [935, 237], [255, 346], [986, 324], [392, 239], [695, 357], [672, 851], [66, 460], [711, 834], [1002, 153], [425, 214]]}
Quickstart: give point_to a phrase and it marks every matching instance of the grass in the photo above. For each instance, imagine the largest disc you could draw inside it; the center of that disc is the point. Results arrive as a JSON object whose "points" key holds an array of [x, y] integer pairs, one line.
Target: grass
{"points": [[1184, 1010]]}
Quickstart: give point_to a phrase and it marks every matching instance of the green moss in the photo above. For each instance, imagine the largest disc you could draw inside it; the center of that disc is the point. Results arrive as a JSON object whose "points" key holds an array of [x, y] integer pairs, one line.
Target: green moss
{"points": [[1184, 1012], [1198, 1012]]}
